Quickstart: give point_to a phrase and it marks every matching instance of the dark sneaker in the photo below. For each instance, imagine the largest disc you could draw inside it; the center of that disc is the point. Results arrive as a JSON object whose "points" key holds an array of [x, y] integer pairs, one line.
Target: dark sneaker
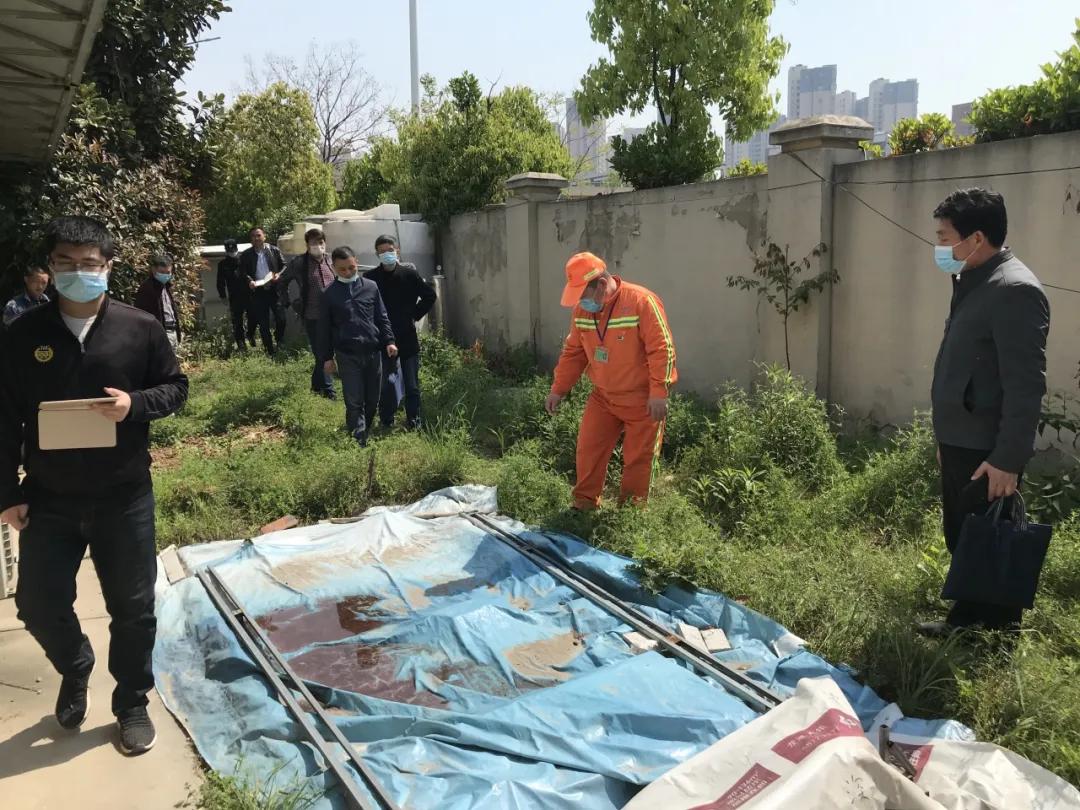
{"points": [[73, 702], [414, 424], [137, 735], [935, 629]]}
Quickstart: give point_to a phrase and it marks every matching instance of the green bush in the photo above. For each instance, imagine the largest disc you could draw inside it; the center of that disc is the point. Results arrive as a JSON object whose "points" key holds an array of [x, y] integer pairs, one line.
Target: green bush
{"points": [[662, 156], [1049, 104]]}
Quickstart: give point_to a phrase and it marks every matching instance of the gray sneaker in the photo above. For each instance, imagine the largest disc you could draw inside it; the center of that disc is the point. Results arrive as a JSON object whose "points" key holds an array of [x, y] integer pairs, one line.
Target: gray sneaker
{"points": [[137, 734]]}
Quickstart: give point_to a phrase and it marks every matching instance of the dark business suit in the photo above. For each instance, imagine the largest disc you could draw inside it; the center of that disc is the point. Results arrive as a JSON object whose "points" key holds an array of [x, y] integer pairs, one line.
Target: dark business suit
{"points": [[264, 300], [989, 382]]}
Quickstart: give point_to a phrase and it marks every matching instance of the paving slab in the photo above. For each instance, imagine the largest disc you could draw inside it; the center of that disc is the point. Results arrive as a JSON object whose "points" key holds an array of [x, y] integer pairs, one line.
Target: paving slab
{"points": [[44, 767]]}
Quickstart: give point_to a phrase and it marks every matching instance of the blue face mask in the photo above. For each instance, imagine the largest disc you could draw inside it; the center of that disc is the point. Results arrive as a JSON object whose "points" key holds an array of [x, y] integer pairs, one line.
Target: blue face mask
{"points": [[163, 278], [389, 258], [590, 305], [81, 286], [350, 280]]}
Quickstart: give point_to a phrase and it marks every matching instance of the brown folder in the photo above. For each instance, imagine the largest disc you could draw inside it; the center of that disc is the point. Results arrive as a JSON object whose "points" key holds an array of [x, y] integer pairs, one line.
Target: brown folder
{"points": [[71, 425]]}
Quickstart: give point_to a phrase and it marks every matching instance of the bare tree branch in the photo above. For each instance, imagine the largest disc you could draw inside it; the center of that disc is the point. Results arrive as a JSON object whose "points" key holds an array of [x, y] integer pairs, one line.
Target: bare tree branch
{"points": [[349, 106]]}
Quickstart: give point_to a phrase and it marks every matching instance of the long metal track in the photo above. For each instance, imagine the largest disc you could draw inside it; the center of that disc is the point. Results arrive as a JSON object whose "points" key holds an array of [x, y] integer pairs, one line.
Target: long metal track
{"points": [[281, 676], [752, 694]]}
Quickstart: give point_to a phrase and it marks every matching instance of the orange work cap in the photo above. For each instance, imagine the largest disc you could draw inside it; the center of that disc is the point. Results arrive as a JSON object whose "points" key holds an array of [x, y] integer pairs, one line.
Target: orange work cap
{"points": [[580, 270]]}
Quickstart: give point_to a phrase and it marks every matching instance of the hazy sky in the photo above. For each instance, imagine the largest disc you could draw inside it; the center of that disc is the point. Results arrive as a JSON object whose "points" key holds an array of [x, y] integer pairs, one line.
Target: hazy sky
{"points": [[956, 49]]}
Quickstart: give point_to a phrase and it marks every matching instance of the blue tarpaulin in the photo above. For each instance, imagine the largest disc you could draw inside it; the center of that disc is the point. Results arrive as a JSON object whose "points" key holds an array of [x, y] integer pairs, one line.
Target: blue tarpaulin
{"points": [[465, 676]]}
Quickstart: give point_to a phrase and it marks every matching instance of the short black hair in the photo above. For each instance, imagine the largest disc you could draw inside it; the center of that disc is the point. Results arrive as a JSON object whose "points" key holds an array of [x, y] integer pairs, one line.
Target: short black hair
{"points": [[343, 252], [230, 244], [161, 260], [312, 233], [79, 231], [254, 228], [976, 209], [385, 239], [33, 270]]}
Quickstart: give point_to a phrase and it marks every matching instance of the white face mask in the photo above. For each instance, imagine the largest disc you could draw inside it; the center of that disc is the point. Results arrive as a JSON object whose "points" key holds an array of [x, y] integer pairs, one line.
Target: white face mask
{"points": [[318, 251]]}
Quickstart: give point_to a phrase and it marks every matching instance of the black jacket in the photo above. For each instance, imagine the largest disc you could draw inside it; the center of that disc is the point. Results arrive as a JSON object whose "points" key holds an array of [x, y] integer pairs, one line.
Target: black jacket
{"points": [[352, 319], [148, 299], [231, 283], [40, 360], [407, 298], [249, 263], [990, 372]]}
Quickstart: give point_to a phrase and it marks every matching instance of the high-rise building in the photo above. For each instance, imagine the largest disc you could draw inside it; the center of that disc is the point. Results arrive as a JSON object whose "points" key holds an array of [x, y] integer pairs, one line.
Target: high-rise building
{"points": [[588, 145], [756, 150], [811, 91], [898, 100], [845, 103], [960, 113], [629, 133], [862, 109]]}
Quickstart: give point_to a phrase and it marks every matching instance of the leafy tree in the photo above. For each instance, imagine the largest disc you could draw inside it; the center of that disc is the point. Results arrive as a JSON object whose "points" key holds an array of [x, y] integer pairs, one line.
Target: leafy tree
{"points": [[456, 153], [141, 51], [268, 159], [349, 110], [685, 58], [747, 168], [1049, 104], [777, 282], [363, 184]]}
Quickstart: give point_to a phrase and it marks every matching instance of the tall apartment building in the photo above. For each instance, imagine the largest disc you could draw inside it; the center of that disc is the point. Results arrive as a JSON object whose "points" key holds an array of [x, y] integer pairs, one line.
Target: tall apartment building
{"points": [[588, 145], [845, 102], [811, 91], [756, 150], [960, 113]]}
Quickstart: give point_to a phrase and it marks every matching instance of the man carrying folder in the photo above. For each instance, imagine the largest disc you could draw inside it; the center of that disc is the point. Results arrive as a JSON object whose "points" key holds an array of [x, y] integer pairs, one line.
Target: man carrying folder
{"points": [[87, 469]]}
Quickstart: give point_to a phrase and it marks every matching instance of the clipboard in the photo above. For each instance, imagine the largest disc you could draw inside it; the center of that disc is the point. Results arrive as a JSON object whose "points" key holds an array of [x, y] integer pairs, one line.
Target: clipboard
{"points": [[70, 424]]}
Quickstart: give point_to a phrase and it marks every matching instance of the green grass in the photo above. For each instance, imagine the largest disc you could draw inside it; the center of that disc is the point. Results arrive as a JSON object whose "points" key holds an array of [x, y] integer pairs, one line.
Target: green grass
{"points": [[838, 538]]}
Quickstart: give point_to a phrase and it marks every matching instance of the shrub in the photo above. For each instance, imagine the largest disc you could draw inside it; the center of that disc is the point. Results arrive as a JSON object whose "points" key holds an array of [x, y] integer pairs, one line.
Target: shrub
{"points": [[747, 168], [528, 489], [926, 133], [1049, 104], [663, 156]]}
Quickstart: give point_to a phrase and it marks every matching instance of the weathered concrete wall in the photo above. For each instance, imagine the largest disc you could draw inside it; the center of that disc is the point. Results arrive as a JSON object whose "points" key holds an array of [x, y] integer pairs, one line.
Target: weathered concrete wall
{"points": [[892, 301], [682, 243], [477, 297]]}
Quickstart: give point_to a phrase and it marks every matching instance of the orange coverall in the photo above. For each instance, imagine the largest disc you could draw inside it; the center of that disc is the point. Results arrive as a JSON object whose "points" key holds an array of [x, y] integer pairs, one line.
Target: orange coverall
{"points": [[630, 356]]}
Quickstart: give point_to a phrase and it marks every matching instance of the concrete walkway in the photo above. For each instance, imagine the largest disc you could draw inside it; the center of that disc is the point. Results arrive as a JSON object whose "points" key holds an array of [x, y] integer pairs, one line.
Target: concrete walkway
{"points": [[43, 767]]}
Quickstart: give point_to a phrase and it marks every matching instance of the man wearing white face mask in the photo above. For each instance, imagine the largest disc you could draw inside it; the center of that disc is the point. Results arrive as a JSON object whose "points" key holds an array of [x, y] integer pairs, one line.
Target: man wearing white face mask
{"points": [[989, 376], [312, 273]]}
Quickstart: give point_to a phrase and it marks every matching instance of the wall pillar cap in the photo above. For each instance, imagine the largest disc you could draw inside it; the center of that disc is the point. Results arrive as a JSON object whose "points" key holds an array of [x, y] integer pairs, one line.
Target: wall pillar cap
{"points": [[821, 132], [535, 186]]}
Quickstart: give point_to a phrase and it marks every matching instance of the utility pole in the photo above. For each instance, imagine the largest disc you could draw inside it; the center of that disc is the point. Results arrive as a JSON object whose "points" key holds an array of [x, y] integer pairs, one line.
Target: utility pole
{"points": [[414, 54]]}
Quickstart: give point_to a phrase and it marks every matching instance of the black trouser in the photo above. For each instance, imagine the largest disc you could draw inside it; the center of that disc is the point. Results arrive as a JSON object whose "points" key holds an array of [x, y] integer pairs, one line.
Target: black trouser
{"points": [[960, 496], [409, 368], [321, 382], [263, 305], [361, 379], [239, 311], [120, 533]]}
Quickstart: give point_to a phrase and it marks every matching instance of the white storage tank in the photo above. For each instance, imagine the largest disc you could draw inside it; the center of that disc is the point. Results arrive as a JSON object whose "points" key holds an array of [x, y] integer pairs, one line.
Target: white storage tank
{"points": [[359, 230]]}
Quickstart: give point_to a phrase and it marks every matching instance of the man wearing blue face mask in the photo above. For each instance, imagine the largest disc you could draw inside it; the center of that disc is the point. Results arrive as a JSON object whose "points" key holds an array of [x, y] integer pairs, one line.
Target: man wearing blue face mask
{"points": [[989, 376], [85, 345], [155, 296]]}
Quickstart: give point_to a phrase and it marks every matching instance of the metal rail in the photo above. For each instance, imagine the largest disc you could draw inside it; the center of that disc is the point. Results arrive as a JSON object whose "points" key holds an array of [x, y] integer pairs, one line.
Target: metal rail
{"points": [[281, 676], [752, 694]]}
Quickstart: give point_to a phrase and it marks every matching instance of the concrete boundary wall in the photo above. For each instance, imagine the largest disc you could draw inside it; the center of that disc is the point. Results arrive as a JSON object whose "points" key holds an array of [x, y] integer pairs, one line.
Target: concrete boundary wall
{"points": [[868, 343]]}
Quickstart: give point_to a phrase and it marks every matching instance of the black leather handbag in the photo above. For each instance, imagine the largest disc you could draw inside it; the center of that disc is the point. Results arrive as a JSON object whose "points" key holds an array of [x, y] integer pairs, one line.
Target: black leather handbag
{"points": [[998, 558]]}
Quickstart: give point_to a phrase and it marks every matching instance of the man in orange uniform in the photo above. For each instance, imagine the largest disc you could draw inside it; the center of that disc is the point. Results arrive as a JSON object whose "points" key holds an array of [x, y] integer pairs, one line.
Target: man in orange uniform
{"points": [[619, 332]]}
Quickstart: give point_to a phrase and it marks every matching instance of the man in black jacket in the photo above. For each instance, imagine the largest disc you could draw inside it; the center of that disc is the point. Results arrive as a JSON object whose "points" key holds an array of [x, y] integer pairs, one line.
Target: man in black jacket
{"points": [[354, 328], [232, 285], [84, 346], [989, 376], [155, 296], [312, 273], [407, 298], [262, 265]]}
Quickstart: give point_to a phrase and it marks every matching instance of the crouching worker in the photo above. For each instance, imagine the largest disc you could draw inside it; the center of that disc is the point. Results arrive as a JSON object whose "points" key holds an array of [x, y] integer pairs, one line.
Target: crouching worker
{"points": [[620, 334], [353, 331]]}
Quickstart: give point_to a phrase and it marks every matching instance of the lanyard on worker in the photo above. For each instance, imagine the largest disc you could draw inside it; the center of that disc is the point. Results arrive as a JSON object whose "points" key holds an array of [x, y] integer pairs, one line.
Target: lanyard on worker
{"points": [[600, 333]]}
